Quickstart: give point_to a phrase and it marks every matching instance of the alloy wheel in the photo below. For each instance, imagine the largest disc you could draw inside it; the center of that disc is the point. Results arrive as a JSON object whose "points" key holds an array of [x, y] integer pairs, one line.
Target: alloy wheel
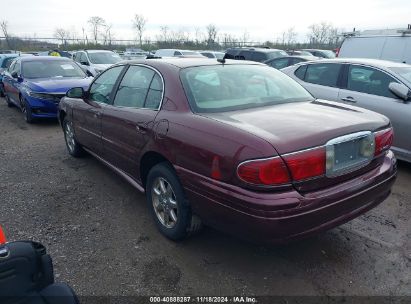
{"points": [[164, 202], [68, 131]]}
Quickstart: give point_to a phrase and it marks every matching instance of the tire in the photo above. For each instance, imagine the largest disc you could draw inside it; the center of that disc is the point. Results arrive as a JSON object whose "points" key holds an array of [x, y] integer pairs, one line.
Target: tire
{"points": [[168, 204], [26, 110], [73, 147]]}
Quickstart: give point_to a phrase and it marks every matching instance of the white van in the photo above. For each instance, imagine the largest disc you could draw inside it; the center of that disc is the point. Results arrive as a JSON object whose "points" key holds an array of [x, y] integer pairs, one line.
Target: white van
{"points": [[392, 45]]}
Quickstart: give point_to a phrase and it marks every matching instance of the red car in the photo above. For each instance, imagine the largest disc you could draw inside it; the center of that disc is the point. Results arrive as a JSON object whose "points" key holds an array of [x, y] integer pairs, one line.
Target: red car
{"points": [[233, 144]]}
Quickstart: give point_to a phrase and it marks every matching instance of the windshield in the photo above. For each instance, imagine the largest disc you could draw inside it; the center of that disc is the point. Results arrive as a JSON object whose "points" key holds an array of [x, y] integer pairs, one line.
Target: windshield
{"points": [[104, 58], [222, 88], [51, 68], [329, 54], [403, 72], [276, 54], [6, 62]]}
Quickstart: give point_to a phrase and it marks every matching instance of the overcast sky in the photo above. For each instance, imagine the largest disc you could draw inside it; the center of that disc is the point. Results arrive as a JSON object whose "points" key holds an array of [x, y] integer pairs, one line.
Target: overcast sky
{"points": [[263, 20]]}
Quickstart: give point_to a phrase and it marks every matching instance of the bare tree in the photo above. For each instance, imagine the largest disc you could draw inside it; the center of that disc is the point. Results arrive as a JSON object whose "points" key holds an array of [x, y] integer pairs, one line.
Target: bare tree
{"points": [[108, 34], [245, 37], [291, 36], [319, 33], [164, 33], [139, 24], [61, 34], [211, 34], [96, 23], [5, 29], [199, 36]]}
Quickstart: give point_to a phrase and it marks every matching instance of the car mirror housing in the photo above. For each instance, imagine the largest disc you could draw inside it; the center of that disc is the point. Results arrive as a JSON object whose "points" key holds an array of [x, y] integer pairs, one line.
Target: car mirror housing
{"points": [[76, 93], [400, 90]]}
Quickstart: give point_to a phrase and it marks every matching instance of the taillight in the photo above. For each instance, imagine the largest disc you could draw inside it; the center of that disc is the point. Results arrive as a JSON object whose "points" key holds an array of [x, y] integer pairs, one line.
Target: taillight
{"points": [[265, 172], [2, 237], [383, 140], [306, 164]]}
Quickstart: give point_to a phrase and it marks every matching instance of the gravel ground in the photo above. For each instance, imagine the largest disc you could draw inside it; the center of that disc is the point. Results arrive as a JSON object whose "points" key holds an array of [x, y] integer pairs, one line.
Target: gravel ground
{"points": [[103, 241]]}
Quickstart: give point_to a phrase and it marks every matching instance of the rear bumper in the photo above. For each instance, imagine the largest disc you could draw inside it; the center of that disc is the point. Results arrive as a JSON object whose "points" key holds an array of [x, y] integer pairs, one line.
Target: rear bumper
{"points": [[281, 217]]}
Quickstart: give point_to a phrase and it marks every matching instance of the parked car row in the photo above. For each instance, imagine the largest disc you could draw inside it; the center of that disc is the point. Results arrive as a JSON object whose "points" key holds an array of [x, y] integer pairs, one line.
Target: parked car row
{"points": [[223, 142]]}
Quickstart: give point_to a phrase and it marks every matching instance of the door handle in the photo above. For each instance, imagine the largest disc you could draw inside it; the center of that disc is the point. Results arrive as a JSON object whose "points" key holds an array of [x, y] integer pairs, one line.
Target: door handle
{"points": [[97, 115], [348, 99]]}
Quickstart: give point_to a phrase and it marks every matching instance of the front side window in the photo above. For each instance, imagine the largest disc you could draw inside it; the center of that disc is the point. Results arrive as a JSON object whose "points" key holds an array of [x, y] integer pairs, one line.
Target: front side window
{"points": [[222, 88], [325, 74], [370, 81], [140, 87], [51, 69], [102, 87]]}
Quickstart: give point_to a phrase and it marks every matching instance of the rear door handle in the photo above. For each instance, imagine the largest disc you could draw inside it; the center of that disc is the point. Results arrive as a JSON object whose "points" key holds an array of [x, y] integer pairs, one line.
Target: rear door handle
{"points": [[348, 99], [97, 115]]}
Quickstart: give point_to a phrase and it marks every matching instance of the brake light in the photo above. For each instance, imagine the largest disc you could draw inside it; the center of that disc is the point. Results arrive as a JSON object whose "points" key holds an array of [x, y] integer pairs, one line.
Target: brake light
{"points": [[383, 140], [306, 164], [2, 237], [266, 172]]}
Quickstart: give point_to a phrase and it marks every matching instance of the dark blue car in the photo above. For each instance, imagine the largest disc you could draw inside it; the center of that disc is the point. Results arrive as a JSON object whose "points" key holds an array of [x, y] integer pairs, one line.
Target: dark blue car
{"points": [[36, 84]]}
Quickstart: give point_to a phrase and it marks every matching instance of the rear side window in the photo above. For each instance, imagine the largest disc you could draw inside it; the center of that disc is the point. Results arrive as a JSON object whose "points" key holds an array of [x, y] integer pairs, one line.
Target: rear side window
{"points": [[325, 74], [300, 72], [370, 81], [259, 57], [140, 87]]}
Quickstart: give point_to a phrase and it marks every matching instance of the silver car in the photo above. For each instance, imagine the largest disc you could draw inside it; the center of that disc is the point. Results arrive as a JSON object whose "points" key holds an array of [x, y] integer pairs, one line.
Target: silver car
{"points": [[381, 86]]}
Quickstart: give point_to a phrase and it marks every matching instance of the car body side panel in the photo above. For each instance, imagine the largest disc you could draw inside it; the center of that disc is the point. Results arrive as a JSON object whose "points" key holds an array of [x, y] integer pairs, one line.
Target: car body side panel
{"points": [[398, 111]]}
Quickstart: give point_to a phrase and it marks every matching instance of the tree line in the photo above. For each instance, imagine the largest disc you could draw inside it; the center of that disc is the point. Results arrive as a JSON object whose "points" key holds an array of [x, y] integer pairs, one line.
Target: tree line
{"points": [[98, 32]]}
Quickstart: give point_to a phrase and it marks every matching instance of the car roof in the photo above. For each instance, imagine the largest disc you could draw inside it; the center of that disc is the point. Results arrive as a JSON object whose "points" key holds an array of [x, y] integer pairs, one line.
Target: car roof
{"points": [[188, 62], [255, 49], [374, 62], [44, 58], [96, 51]]}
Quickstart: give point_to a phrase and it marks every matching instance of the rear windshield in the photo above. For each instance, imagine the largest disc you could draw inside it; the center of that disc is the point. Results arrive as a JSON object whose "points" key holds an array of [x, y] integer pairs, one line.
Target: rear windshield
{"points": [[276, 54], [104, 58], [51, 68], [222, 88], [403, 72], [329, 54]]}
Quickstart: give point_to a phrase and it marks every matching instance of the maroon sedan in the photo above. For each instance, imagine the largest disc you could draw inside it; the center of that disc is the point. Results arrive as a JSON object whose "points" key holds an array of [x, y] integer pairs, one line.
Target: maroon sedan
{"points": [[236, 145]]}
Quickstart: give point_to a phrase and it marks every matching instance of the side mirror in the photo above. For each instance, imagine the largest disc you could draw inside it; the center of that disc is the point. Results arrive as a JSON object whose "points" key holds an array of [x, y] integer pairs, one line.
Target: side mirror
{"points": [[400, 90], [84, 63], [76, 93], [14, 75]]}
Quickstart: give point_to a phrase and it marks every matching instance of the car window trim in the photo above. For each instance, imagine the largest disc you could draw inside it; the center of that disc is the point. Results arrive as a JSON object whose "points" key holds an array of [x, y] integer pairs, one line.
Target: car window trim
{"points": [[377, 69], [317, 63], [148, 89], [112, 90]]}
